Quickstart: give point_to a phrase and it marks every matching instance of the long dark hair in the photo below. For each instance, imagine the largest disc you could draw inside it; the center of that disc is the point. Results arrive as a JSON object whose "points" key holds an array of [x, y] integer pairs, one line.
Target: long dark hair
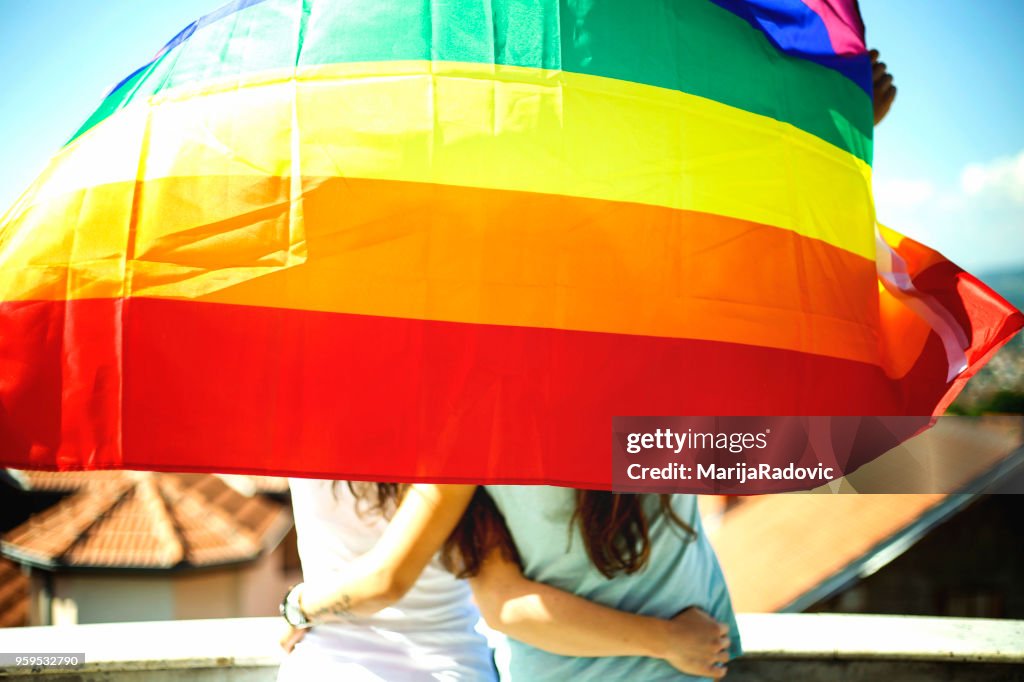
{"points": [[480, 531], [376, 498], [614, 526]]}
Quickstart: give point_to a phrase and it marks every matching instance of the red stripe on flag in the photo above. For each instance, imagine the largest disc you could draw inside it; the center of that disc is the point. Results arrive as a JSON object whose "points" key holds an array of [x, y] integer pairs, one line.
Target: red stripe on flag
{"points": [[215, 387]]}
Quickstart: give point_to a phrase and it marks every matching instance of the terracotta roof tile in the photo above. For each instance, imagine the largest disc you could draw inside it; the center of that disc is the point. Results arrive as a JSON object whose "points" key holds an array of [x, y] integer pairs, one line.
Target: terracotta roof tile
{"points": [[129, 519], [70, 481], [204, 511], [136, 532], [53, 532]]}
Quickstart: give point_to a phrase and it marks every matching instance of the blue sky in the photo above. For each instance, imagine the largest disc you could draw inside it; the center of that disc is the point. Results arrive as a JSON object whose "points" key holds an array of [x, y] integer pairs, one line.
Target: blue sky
{"points": [[949, 160]]}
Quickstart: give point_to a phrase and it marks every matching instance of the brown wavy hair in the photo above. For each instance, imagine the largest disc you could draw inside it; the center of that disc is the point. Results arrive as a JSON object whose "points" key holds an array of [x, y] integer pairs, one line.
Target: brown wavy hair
{"points": [[614, 526], [380, 499], [480, 530]]}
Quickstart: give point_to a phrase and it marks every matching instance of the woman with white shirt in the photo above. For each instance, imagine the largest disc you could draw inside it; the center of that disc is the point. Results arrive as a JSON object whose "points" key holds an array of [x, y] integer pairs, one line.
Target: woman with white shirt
{"points": [[417, 628]]}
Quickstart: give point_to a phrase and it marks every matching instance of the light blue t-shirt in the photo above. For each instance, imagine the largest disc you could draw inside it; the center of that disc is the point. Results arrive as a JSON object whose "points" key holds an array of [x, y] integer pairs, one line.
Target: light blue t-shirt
{"points": [[682, 571]]}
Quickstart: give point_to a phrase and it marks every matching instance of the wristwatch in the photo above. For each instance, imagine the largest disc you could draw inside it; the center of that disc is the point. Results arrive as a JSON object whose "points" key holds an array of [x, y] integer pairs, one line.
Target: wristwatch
{"points": [[291, 611]]}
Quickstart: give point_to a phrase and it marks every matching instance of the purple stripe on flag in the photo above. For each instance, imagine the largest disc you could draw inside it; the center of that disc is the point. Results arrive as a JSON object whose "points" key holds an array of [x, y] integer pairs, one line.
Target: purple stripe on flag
{"points": [[797, 30]]}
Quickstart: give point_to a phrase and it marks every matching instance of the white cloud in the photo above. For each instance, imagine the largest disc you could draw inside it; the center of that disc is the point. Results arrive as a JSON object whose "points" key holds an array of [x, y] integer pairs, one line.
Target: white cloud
{"points": [[975, 222], [902, 193], [999, 179]]}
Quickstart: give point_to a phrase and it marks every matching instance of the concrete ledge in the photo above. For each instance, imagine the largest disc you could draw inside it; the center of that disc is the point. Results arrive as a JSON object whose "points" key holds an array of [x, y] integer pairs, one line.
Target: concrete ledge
{"points": [[157, 645], [779, 647], [821, 670], [857, 637]]}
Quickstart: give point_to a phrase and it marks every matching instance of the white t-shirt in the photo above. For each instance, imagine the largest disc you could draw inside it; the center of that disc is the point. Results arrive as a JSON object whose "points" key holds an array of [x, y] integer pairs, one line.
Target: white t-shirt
{"points": [[428, 635]]}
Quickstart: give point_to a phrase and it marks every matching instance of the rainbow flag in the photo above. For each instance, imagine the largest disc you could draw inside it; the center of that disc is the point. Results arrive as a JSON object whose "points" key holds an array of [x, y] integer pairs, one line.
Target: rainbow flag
{"points": [[449, 241]]}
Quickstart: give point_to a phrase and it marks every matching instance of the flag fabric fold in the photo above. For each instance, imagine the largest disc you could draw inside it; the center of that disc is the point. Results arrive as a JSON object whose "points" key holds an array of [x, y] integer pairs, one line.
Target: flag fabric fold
{"points": [[451, 241]]}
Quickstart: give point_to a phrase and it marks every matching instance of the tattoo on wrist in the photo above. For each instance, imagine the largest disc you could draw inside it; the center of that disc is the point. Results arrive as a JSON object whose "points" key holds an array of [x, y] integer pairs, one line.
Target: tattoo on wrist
{"points": [[341, 608]]}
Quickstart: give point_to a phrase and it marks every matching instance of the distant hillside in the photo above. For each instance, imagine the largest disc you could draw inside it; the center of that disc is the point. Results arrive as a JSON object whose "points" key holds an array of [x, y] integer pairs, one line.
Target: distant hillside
{"points": [[999, 386], [1008, 283]]}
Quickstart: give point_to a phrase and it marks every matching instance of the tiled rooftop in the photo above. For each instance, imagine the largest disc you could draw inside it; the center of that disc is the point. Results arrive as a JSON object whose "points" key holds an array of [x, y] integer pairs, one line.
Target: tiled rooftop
{"points": [[69, 481], [128, 519]]}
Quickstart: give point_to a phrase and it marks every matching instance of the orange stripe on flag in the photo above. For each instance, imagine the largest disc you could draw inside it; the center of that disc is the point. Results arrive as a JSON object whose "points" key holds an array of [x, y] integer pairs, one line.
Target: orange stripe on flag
{"points": [[458, 254]]}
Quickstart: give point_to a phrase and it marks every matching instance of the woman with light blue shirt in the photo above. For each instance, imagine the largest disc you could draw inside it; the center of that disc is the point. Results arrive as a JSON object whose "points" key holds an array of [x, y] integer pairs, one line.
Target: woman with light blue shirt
{"points": [[379, 610], [652, 558]]}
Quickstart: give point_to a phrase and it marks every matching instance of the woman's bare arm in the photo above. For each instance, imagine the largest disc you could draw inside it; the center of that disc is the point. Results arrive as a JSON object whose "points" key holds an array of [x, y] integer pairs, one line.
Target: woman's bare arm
{"points": [[563, 623], [425, 518]]}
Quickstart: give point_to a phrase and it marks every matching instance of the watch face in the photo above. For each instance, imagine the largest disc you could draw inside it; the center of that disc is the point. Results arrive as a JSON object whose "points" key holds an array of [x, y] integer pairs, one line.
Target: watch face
{"points": [[291, 612]]}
